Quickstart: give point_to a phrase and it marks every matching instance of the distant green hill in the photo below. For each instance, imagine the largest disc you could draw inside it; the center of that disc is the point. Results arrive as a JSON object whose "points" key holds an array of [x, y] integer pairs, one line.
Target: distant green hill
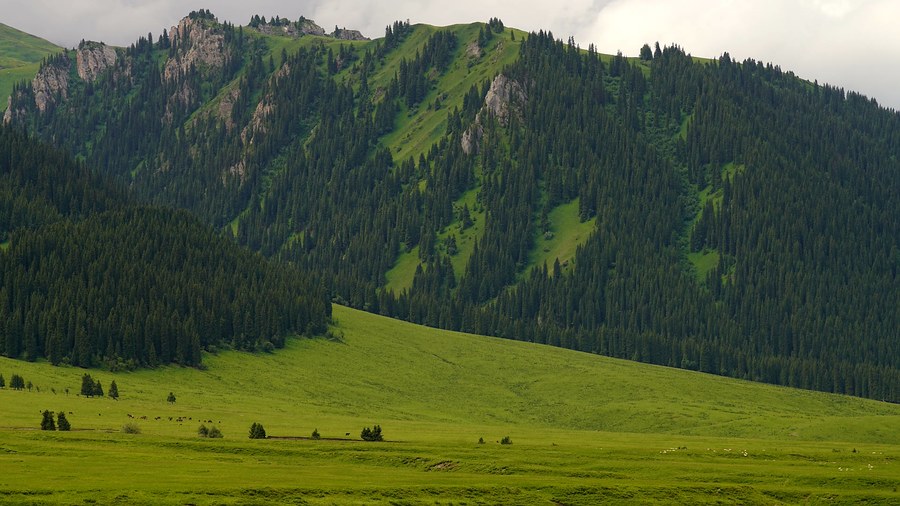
{"points": [[20, 58], [585, 429]]}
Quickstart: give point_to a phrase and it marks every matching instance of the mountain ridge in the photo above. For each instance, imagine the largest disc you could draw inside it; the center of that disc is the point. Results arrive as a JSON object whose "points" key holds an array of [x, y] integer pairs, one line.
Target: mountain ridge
{"points": [[348, 159]]}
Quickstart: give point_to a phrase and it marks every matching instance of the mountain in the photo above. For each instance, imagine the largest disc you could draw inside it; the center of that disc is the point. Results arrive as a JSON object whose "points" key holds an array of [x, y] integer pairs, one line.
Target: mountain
{"points": [[714, 215], [87, 277], [20, 58]]}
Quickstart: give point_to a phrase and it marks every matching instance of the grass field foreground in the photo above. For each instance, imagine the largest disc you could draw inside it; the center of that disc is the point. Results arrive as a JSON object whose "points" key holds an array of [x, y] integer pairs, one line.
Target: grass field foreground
{"points": [[585, 429]]}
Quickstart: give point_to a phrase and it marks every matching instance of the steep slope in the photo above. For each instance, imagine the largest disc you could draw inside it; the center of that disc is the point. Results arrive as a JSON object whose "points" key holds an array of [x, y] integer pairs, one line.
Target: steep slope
{"points": [[707, 214], [20, 59]]}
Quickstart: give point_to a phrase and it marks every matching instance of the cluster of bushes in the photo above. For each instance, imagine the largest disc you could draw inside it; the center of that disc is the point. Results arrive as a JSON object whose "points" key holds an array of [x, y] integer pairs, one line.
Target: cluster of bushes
{"points": [[373, 434], [211, 432], [506, 440], [62, 423]]}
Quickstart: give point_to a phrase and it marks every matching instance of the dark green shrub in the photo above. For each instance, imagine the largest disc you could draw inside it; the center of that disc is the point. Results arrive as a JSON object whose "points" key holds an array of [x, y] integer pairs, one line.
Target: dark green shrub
{"points": [[373, 434]]}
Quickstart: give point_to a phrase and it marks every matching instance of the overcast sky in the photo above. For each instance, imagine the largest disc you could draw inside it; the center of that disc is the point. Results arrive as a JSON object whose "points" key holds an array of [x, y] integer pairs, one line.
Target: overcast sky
{"points": [[854, 44]]}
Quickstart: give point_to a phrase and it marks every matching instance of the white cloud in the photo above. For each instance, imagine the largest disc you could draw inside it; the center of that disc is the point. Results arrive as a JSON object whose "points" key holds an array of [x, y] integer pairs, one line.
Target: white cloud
{"points": [[848, 43]]}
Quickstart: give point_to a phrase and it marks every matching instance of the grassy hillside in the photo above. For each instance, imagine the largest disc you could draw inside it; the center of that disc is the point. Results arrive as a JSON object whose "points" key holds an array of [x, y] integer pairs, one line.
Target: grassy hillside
{"points": [[585, 429], [20, 58]]}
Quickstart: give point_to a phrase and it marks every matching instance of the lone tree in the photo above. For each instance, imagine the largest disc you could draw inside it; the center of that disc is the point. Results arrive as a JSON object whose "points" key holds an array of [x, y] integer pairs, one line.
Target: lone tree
{"points": [[257, 431], [373, 434], [315, 434], [171, 398], [62, 423], [113, 390], [47, 421]]}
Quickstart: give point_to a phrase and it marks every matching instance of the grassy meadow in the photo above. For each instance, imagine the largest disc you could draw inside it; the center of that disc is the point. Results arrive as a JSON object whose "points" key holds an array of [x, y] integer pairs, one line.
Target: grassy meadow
{"points": [[585, 429]]}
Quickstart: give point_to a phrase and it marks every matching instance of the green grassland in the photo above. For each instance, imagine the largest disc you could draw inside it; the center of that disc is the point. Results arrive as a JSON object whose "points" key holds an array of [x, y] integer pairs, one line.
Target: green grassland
{"points": [[567, 233], [20, 58], [585, 429]]}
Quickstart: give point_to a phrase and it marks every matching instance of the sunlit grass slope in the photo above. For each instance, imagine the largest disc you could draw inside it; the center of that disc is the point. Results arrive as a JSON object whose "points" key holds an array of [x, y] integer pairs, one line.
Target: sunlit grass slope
{"points": [[585, 429], [20, 58]]}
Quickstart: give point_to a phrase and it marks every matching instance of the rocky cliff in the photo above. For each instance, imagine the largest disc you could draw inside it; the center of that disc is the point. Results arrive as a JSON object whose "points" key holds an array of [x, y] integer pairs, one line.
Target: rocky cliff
{"points": [[199, 45], [92, 59], [51, 83], [504, 98]]}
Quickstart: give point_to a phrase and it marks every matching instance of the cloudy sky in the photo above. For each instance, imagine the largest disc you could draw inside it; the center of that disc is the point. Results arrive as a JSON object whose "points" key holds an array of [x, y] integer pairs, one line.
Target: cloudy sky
{"points": [[854, 44]]}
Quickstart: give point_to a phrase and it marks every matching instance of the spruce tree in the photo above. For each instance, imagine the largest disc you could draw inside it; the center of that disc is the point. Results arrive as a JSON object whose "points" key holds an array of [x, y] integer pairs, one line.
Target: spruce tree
{"points": [[257, 431], [47, 421], [62, 422], [87, 385], [113, 390], [2, 382]]}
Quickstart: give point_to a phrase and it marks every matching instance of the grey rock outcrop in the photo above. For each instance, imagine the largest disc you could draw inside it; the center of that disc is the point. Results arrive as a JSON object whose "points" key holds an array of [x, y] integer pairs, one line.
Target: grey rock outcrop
{"points": [[51, 84], [345, 34], [303, 27], [199, 46], [12, 113], [504, 99], [92, 59]]}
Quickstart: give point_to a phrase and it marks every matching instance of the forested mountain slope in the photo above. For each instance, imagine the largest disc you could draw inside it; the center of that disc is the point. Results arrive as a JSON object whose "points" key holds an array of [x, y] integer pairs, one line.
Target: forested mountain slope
{"points": [[707, 214], [86, 277]]}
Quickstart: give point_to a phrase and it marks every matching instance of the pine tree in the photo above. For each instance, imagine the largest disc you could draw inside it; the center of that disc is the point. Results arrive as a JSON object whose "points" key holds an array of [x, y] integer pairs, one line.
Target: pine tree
{"points": [[113, 390], [87, 385], [257, 431], [62, 422], [17, 382], [171, 398], [98, 389], [47, 421], [2, 382]]}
